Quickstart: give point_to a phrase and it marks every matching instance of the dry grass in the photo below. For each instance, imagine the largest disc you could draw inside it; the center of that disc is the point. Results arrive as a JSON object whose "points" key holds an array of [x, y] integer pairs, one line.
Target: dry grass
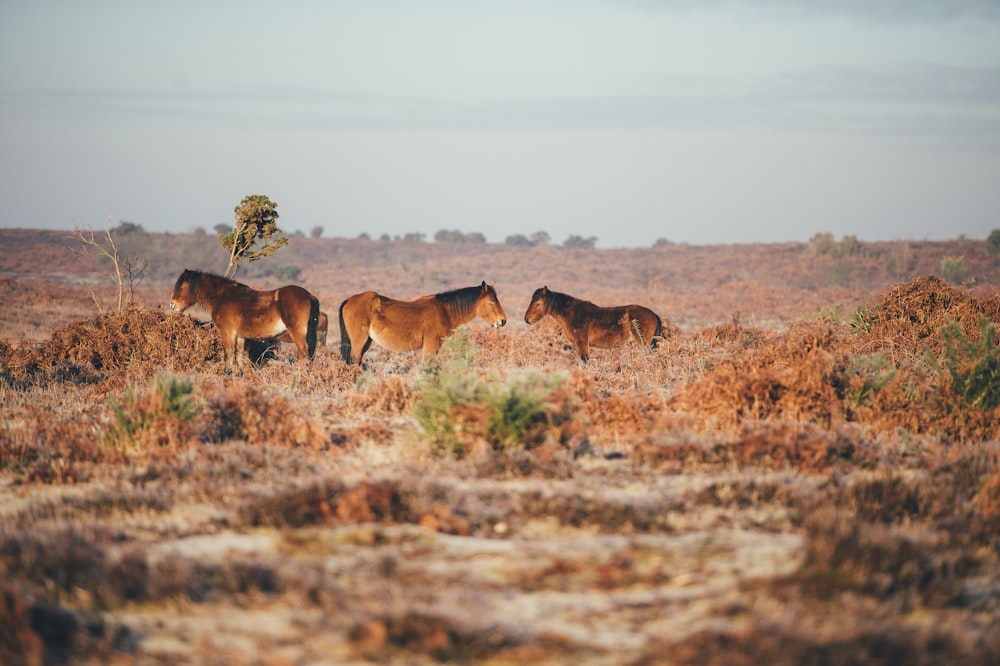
{"points": [[812, 492]]}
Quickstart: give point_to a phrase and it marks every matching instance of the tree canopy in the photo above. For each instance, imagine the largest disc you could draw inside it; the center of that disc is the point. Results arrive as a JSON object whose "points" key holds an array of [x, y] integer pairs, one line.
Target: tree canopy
{"points": [[255, 220]]}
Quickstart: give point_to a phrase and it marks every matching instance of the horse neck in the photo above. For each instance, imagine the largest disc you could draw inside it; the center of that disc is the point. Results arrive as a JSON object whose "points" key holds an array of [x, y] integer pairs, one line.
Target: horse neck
{"points": [[207, 290], [557, 303], [461, 303]]}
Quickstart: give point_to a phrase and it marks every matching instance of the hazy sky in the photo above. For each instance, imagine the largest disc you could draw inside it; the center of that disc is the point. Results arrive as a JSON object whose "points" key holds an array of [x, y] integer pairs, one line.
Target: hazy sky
{"points": [[698, 121]]}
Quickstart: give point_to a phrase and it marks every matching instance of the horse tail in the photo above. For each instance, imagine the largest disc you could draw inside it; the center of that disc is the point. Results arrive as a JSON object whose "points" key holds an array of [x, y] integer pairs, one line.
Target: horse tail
{"points": [[658, 333], [313, 324], [345, 339]]}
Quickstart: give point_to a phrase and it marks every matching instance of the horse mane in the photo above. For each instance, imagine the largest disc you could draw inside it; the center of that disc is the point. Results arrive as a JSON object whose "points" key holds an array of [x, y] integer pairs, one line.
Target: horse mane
{"points": [[198, 275], [559, 302], [462, 300]]}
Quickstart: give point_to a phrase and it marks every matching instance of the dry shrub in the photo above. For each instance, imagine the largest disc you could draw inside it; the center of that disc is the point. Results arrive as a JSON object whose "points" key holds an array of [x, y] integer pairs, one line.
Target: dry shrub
{"points": [[731, 334], [133, 339], [790, 376], [391, 395], [676, 452], [816, 372], [19, 644], [866, 640], [54, 563], [802, 446], [922, 325], [238, 409], [326, 372], [964, 485], [422, 633], [908, 318], [921, 401], [54, 446], [204, 581], [329, 502], [844, 553], [987, 500]]}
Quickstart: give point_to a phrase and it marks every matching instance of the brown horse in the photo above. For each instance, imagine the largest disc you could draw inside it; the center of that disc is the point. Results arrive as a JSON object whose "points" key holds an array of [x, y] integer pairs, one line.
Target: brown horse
{"points": [[239, 312], [408, 325], [586, 324]]}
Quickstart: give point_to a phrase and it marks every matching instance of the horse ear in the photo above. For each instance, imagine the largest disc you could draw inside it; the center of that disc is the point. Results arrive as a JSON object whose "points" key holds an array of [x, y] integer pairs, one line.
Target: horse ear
{"points": [[483, 286]]}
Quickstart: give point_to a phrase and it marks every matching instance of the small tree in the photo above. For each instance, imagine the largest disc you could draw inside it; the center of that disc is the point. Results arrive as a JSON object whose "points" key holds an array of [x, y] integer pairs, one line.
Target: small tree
{"points": [[256, 218], [129, 270]]}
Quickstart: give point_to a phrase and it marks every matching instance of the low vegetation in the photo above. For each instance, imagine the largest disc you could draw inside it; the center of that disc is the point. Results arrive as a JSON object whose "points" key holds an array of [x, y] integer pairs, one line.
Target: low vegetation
{"points": [[807, 489]]}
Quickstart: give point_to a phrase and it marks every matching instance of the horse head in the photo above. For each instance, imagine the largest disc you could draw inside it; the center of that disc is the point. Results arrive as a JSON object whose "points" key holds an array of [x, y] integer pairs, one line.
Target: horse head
{"points": [[536, 308], [488, 306], [184, 296]]}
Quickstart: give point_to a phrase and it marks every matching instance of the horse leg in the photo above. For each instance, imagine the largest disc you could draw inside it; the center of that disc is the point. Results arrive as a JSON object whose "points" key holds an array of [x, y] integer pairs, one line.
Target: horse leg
{"points": [[228, 349], [311, 328], [432, 344], [657, 332], [582, 345], [239, 354], [354, 338]]}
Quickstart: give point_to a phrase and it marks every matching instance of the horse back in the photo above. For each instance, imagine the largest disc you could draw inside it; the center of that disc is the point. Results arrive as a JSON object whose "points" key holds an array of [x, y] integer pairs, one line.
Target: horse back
{"points": [[612, 326]]}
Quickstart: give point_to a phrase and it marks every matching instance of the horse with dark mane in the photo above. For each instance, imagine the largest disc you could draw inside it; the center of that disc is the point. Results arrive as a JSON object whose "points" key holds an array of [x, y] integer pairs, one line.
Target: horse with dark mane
{"points": [[239, 312], [419, 324], [587, 325]]}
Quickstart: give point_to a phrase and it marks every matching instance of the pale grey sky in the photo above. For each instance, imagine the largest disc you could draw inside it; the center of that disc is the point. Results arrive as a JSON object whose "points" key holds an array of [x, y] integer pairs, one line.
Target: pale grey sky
{"points": [[708, 121]]}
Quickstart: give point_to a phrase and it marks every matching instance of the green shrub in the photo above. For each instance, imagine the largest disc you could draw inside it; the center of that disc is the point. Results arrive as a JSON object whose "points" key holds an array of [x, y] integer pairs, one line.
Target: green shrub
{"points": [[150, 414], [973, 365], [865, 375], [863, 319], [455, 407], [953, 268], [848, 246]]}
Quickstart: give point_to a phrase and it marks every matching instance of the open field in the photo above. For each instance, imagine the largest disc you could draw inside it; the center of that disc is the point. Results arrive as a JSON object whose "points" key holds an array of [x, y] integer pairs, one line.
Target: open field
{"points": [[805, 470]]}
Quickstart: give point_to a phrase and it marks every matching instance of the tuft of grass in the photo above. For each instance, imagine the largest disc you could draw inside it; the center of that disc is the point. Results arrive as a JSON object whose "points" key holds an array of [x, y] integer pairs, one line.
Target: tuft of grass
{"points": [[862, 319], [140, 414], [865, 375], [455, 407], [953, 268]]}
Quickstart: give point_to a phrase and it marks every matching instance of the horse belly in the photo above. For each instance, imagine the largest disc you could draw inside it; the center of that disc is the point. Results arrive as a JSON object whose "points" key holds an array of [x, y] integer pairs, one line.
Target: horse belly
{"points": [[394, 337], [605, 337], [263, 327], [609, 329]]}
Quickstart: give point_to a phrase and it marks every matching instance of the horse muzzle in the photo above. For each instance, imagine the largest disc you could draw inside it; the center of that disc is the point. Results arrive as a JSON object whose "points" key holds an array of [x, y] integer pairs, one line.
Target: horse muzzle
{"points": [[498, 324]]}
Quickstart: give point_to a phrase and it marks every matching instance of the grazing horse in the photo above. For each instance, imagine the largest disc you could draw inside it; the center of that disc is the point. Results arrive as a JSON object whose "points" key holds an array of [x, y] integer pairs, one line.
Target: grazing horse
{"points": [[586, 324], [408, 325], [239, 312]]}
